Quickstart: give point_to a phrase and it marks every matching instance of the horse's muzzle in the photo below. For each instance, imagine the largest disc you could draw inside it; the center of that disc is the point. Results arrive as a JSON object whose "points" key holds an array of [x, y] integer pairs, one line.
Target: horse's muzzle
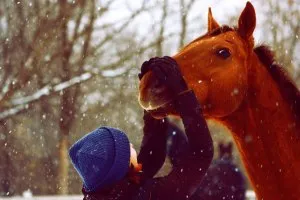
{"points": [[152, 94]]}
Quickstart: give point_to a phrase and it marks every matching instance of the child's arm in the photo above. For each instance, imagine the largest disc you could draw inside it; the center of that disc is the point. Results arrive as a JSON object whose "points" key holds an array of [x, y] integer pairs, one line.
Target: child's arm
{"points": [[153, 149], [184, 179], [187, 175]]}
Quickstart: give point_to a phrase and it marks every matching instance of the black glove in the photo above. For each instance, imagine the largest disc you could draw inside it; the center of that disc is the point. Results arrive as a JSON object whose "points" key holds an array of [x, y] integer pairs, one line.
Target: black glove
{"points": [[145, 66], [167, 72]]}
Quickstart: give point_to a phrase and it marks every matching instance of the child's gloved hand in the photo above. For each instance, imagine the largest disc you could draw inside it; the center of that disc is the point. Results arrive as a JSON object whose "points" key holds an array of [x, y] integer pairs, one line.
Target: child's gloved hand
{"points": [[145, 66], [167, 72]]}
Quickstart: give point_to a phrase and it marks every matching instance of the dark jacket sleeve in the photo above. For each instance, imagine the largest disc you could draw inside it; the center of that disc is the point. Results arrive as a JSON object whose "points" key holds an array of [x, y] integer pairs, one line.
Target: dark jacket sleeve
{"points": [[153, 149], [184, 179]]}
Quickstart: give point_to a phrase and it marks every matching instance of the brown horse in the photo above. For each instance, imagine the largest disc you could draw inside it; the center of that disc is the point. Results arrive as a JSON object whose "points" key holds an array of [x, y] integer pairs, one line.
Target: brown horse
{"points": [[243, 88]]}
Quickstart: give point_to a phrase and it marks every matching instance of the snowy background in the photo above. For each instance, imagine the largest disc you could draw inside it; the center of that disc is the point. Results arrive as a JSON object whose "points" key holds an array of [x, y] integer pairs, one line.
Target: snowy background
{"points": [[67, 67]]}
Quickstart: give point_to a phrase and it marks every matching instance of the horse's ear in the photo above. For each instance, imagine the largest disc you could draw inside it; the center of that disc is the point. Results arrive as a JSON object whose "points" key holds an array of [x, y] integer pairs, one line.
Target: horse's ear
{"points": [[247, 21], [212, 24]]}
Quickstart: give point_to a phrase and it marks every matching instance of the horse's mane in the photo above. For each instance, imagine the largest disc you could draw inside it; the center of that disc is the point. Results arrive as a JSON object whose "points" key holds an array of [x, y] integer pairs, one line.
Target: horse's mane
{"points": [[286, 86]]}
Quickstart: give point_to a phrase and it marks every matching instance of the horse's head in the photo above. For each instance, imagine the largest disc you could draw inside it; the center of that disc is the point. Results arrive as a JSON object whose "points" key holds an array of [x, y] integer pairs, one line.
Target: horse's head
{"points": [[214, 65]]}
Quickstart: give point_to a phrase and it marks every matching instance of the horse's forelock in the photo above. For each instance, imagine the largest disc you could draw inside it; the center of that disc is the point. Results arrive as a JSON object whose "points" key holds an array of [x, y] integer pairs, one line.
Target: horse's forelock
{"points": [[221, 29], [214, 32]]}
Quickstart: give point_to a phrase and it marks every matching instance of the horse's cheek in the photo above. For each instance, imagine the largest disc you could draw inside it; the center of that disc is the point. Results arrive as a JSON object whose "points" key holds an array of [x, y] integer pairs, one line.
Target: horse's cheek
{"points": [[225, 95]]}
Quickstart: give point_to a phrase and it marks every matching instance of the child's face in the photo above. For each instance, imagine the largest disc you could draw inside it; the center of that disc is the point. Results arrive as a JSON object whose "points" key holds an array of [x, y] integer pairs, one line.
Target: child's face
{"points": [[133, 156]]}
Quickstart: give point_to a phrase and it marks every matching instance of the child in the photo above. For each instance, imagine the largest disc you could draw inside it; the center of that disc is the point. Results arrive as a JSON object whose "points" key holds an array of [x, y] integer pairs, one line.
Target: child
{"points": [[103, 159]]}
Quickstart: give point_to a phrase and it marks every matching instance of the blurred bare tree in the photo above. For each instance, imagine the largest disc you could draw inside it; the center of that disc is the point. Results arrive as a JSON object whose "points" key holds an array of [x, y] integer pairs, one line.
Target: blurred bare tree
{"points": [[185, 7], [47, 50]]}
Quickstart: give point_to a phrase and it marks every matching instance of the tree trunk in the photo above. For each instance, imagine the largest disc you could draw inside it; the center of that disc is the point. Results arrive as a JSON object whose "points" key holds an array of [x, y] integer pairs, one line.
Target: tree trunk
{"points": [[159, 45], [183, 21], [67, 116], [66, 104], [63, 168], [6, 167], [6, 180], [69, 96]]}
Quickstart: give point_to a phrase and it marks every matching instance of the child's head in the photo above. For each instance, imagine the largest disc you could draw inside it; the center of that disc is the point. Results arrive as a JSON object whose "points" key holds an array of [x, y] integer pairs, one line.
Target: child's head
{"points": [[102, 157]]}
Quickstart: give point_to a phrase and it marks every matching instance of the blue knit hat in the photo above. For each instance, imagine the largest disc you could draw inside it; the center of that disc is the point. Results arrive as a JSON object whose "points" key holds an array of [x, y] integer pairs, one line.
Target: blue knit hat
{"points": [[101, 157]]}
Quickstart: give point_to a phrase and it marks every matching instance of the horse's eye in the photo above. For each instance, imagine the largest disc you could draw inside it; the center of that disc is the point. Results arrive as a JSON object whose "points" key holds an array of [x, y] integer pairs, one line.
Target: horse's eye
{"points": [[224, 53]]}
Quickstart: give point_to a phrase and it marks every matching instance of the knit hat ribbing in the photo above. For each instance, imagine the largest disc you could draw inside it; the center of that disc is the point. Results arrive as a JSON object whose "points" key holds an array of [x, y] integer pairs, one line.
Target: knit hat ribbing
{"points": [[101, 157]]}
